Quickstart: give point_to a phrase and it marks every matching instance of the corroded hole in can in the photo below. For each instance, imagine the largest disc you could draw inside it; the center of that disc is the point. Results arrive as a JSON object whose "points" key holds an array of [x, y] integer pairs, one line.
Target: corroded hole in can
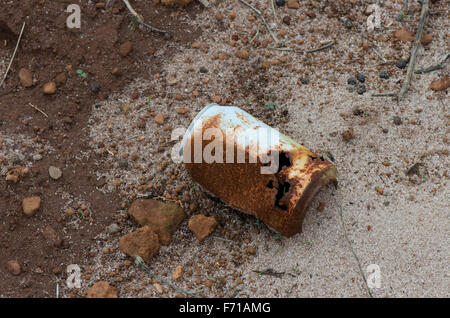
{"points": [[283, 189], [283, 161]]}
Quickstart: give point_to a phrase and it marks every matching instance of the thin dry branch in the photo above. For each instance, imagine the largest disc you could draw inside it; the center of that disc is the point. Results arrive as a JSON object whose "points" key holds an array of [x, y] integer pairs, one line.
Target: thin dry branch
{"points": [[440, 65], [258, 12], [322, 47], [274, 11], [140, 19], [353, 252], [288, 49], [14, 55], [132, 11], [39, 110], [412, 60]]}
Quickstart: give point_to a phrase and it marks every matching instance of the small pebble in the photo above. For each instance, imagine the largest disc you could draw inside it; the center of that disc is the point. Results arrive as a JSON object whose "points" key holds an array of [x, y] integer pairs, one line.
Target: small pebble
{"points": [[159, 119], [351, 81], [126, 48], [401, 64], [280, 3], [54, 172], [49, 88], [384, 74], [348, 135], [123, 163], [360, 77], [13, 267], [361, 89], [16, 160], [95, 87], [113, 228], [397, 120], [357, 111], [26, 78], [304, 80], [287, 20], [348, 24], [203, 70], [30, 205], [37, 157]]}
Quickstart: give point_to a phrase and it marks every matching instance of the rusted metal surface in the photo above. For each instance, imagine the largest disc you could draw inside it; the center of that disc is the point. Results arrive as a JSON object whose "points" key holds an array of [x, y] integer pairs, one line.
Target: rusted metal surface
{"points": [[279, 199]]}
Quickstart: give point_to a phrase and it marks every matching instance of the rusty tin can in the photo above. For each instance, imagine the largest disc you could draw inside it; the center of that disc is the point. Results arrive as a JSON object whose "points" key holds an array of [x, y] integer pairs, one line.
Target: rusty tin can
{"points": [[254, 168]]}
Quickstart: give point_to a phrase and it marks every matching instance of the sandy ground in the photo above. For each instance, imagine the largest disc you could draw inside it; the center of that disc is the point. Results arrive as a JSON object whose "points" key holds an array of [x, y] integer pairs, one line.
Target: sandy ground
{"points": [[405, 231]]}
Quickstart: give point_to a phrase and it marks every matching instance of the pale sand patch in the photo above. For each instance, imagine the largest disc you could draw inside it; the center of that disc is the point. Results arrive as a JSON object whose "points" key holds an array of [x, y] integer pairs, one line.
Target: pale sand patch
{"points": [[405, 231]]}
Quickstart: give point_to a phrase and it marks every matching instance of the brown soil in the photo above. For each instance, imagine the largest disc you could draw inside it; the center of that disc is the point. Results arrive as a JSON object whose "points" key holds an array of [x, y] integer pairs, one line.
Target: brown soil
{"points": [[47, 49]]}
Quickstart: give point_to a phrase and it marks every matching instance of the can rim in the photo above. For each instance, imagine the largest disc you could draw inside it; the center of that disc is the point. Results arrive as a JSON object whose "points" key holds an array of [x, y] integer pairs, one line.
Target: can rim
{"points": [[191, 126]]}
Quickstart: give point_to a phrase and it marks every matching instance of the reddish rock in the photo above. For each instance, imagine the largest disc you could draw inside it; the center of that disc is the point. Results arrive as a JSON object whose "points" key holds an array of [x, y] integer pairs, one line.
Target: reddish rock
{"points": [[242, 54], [177, 273], [159, 119], [404, 35], [126, 48], [163, 218], [13, 267], [181, 110], [51, 236], [15, 173], [102, 289], [31, 205], [49, 88], [115, 71], [440, 84], [348, 135], [143, 243], [61, 79], [57, 270], [293, 4], [426, 39], [25, 77], [202, 226]]}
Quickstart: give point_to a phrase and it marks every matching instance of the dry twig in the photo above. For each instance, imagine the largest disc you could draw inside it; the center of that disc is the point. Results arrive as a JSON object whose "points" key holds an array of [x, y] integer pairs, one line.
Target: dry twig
{"points": [[412, 60], [354, 253], [274, 37], [38, 110], [140, 19], [274, 12], [436, 67], [288, 49], [323, 47], [14, 55], [385, 95]]}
